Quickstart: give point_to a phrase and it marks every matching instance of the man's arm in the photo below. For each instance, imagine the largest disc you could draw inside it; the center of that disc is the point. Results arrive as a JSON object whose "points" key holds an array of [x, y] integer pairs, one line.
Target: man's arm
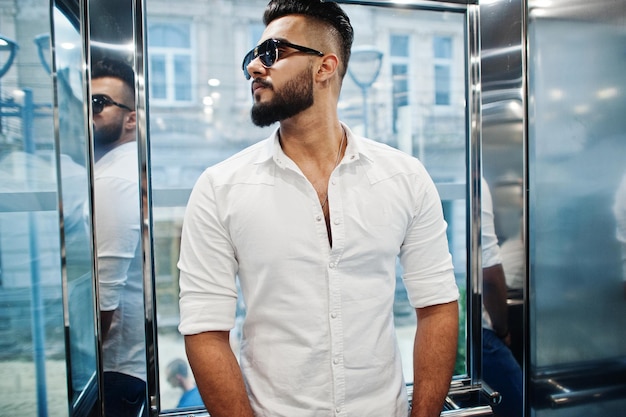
{"points": [[494, 300], [217, 374], [434, 355]]}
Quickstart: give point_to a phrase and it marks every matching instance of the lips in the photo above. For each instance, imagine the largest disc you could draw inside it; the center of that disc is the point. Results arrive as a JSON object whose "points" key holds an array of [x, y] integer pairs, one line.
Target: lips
{"points": [[259, 84]]}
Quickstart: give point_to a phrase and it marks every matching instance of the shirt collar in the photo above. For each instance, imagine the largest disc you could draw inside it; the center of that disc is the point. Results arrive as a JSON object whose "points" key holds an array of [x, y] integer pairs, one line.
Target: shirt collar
{"points": [[273, 151]]}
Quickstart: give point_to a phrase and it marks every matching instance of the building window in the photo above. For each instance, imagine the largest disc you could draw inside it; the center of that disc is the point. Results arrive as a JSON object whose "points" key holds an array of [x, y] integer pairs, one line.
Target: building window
{"points": [[442, 51], [170, 58]]}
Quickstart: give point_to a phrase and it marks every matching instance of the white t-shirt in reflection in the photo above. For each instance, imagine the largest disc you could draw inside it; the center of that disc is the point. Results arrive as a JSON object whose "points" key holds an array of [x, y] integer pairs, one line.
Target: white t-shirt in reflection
{"points": [[120, 278]]}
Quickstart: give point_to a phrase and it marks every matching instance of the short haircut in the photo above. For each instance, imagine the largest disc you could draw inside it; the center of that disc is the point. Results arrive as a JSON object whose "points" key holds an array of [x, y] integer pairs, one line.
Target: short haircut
{"points": [[177, 367], [324, 11], [108, 67]]}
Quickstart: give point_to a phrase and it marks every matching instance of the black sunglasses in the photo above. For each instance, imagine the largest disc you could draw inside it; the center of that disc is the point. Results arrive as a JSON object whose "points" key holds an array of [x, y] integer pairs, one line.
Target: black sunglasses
{"points": [[267, 52], [100, 101]]}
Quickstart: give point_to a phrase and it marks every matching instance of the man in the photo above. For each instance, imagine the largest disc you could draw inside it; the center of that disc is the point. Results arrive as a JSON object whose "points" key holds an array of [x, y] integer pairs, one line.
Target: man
{"points": [[117, 219], [178, 376], [312, 221], [501, 371]]}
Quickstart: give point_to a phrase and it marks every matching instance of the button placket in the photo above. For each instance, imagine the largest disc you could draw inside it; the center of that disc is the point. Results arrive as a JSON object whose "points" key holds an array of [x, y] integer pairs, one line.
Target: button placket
{"points": [[336, 330]]}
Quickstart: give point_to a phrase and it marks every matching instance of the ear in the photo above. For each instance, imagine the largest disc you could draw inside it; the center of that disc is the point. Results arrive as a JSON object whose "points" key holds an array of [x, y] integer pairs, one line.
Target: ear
{"points": [[327, 68], [130, 122]]}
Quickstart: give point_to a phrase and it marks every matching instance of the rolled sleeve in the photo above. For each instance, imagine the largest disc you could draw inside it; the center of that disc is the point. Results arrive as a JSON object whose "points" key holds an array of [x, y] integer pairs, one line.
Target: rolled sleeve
{"points": [[425, 257], [207, 264]]}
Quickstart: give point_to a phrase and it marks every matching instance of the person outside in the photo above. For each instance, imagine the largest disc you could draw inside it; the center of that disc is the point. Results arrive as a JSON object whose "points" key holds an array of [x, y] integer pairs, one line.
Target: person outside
{"points": [[179, 377], [117, 220], [312, 220]]}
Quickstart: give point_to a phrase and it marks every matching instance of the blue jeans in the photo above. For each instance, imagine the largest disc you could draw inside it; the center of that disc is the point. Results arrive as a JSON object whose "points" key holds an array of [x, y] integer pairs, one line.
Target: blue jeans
{"points": [[503, 374], [124, 395]]}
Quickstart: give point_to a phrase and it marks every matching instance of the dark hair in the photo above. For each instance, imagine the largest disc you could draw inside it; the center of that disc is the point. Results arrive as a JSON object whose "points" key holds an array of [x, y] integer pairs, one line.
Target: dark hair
{"points": [[108, 67], [325, 11], [177, 367]]}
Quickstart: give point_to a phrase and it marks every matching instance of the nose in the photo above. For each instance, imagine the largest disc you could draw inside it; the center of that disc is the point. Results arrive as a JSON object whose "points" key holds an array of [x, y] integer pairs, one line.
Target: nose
{"points": [[255, 68]]}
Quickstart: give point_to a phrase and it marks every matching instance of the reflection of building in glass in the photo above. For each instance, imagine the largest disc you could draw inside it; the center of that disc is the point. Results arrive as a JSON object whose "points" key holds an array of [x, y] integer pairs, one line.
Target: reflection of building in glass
{"points": [[199, 102]]}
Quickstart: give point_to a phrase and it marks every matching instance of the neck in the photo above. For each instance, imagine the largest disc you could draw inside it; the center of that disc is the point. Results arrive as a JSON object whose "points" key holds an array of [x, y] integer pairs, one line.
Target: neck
{"points": [[312, 140]]}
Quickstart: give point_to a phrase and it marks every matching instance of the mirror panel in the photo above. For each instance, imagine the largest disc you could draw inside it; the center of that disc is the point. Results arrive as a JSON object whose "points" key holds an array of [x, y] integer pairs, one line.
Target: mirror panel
{"points": [[74, 192], [577, 164], [117, 219]]}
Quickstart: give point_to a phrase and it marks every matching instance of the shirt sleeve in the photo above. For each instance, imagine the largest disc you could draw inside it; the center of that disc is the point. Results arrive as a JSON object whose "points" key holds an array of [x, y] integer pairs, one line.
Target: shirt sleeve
{"points": [[489, 240], [425, 257], [207, 264], [117, 220]]}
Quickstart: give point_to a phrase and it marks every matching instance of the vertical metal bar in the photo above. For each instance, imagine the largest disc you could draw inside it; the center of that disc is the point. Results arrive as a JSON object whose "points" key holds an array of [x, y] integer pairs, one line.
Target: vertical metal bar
{"points": [[526, 371], [143, 152], [474, 172]]}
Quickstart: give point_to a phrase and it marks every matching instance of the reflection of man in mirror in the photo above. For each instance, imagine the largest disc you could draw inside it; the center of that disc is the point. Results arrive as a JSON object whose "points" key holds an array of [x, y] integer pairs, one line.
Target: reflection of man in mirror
{"points": [[619, 208], [117, 219], [501, 371]]}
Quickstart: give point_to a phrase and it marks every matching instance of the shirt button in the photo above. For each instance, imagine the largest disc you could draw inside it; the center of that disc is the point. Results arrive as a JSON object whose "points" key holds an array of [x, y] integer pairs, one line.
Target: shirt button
{"points": [[333, 315], [337, 221], [352, 157], [318, 218], [333, 182], [331, 265], [335, 361], [337, 410]]}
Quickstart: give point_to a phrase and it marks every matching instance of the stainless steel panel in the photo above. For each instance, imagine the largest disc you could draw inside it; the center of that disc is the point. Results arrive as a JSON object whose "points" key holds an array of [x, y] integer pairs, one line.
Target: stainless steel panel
{"points": [[577, 159]]}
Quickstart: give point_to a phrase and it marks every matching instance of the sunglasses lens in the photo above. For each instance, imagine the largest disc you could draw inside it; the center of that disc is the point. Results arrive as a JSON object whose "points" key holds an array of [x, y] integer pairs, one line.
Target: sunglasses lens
{"points": [[97, 105], [267, 52]]}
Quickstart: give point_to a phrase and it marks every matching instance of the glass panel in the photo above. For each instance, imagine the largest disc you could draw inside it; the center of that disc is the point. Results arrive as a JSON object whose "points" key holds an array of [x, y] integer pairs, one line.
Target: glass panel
{"points": [[32, 337], [186, 141], [72, 151]]}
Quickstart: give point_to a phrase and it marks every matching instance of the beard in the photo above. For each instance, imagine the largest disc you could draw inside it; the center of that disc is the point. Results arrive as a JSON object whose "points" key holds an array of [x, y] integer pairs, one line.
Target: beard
{"points": [[295, 97], [105, 136]]}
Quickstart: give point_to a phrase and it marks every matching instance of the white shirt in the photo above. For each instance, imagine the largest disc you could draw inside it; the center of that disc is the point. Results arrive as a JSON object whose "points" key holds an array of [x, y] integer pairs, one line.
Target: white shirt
{"points": [[489, 240], [318, 339], [120, 277]]}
